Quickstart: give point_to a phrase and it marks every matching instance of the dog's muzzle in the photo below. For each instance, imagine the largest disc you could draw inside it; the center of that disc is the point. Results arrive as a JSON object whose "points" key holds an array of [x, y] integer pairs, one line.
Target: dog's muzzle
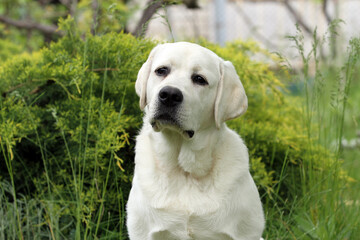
{"points": [[167, 112]]}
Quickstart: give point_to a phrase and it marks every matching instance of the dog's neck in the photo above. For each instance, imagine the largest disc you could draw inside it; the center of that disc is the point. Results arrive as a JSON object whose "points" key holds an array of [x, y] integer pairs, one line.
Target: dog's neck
{"points": [[194, 156]]}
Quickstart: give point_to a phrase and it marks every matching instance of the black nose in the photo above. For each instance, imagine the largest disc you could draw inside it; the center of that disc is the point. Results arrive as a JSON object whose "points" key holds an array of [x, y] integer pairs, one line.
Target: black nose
{"points": [[170, 96]]}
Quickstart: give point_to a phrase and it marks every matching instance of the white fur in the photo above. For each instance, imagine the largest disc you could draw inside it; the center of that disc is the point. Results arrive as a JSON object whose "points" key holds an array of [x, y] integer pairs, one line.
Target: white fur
{"points": [[192, 188]]}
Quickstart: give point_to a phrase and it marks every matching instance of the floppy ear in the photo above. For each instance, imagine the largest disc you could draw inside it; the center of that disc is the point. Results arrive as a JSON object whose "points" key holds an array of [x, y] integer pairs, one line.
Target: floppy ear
{"points": [[231, 100], [142, 78]]}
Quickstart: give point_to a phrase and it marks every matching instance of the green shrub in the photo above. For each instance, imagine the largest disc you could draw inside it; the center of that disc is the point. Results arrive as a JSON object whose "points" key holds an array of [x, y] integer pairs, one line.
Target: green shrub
{"points": [[273, 126], [8, 49], [69, 115]]}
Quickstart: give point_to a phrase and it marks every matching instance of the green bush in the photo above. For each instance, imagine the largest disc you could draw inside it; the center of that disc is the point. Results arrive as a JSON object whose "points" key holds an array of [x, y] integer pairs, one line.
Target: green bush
{"points": [[273, 126], [8, 49], [69, 115]]}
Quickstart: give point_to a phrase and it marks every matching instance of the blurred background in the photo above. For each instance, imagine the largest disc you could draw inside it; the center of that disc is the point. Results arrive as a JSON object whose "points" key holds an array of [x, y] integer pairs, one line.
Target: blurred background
{"points": [[266, 21], [31, 23]]}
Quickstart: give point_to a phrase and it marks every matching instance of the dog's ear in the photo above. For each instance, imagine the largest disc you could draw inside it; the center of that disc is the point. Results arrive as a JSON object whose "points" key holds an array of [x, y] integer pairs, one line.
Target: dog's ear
{"points": [[142, 78], [231, 100]]}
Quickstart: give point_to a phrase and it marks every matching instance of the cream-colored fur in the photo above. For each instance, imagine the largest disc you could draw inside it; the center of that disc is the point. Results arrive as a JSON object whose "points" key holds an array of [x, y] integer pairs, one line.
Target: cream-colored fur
{"points": [[192, 186]]}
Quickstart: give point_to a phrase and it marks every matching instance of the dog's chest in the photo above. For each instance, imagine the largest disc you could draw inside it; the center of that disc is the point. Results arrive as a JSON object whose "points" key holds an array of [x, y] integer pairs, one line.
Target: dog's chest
{"points": [[188, 209], [181, 193], [182, 226]]}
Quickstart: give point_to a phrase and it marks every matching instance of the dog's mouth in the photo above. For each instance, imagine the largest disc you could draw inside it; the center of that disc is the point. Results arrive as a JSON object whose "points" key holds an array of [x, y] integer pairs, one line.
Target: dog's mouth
{"points": [[167, 121]]}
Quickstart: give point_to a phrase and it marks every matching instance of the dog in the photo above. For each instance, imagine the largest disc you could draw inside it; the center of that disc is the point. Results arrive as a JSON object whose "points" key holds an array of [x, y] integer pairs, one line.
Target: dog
{"points": [[191, 178]]}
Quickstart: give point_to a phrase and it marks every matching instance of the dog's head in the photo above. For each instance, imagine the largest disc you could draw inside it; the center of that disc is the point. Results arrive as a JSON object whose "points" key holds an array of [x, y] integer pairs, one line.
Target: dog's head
{"points": [[187, 88]]}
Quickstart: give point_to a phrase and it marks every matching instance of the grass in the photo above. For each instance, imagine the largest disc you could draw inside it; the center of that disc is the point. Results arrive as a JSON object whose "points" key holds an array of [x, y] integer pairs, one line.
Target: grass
{"points": [[328, 208]]}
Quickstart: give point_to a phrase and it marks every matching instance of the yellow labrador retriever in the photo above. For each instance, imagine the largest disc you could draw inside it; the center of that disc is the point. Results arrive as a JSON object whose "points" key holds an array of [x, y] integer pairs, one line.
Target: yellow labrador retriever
{"points": [[192, 177]]}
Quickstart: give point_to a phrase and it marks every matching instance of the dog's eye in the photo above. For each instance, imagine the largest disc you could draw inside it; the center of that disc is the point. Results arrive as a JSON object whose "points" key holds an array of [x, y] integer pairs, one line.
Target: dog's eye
{"points": [[198, 79], [162, 71]]}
